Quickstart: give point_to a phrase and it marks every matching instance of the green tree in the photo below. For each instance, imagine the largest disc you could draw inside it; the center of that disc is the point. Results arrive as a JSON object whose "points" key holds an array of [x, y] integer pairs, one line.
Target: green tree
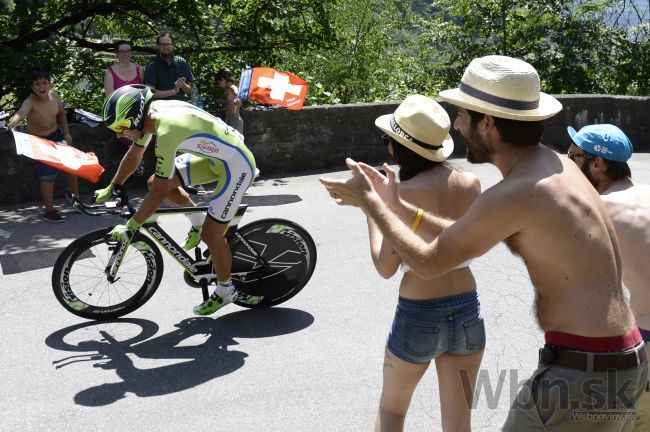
{"points": [[369, 59], [348, 50], [66, 37], [569, 42]]}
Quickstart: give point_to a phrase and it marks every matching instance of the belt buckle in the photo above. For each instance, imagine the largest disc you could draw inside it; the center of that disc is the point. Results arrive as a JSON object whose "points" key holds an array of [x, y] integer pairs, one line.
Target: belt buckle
{"points": [[546, 355]]}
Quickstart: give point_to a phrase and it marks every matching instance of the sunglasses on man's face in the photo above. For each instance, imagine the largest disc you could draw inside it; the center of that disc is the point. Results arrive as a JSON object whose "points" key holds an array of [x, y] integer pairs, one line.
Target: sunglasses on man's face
{"points": [[386, 139], [573, 156]]}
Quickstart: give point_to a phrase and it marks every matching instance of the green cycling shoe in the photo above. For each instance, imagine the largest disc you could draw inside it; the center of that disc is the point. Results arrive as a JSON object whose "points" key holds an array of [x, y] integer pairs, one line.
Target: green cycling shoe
{"points": [[222, 295], [193, 237]]}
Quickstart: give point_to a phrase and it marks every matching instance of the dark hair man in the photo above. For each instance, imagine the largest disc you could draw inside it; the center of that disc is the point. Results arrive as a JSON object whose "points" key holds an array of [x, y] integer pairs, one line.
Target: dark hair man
{"points": [[601, 151], [168, 75]]}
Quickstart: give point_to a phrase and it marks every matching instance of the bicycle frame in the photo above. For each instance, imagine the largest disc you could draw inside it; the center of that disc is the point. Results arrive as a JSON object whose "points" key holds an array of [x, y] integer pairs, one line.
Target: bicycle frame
{"points": [[192, 265], [165, 241]]}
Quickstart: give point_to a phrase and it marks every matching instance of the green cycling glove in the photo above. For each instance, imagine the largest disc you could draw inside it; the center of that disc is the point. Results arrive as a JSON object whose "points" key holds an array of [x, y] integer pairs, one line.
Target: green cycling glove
{"points": [[125, 232], [103, 195], [111, 191]]}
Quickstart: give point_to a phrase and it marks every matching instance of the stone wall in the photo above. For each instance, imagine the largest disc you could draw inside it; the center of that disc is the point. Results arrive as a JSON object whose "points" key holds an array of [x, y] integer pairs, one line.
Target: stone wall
{"points": [[318, 138]]}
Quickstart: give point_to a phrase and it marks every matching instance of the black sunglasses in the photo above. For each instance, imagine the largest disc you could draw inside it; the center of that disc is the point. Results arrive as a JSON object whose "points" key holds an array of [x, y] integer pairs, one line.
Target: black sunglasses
{"points": [[386, 139], [573, 155]]}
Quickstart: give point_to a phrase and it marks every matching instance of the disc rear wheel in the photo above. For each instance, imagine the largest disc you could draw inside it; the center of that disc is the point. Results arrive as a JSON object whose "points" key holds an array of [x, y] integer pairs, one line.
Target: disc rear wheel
{"points": [[290, 256]]}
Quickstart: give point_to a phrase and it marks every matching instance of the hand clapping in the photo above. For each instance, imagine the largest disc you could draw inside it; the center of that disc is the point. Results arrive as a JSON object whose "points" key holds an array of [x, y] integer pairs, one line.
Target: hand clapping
{"points": [[365, 185]]}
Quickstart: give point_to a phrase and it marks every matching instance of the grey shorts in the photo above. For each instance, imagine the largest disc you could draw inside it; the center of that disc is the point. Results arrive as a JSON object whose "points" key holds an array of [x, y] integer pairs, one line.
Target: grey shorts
{"points": [[562, 399], [425, 329]]}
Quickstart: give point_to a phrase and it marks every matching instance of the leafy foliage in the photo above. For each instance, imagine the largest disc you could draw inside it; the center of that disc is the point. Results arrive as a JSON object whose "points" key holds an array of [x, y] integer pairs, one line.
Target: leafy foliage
{"points": [[348, 50], [66, 38], [568, 42]]}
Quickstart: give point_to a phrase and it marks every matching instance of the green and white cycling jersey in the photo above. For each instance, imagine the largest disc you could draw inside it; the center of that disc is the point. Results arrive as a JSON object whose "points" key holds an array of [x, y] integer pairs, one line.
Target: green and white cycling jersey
{"points": [[210, 151], [184, 128]]}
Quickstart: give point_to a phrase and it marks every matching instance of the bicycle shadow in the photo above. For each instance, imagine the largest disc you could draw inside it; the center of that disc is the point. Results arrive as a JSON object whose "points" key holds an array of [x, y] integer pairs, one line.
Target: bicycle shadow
{"points": [[195, 363]]}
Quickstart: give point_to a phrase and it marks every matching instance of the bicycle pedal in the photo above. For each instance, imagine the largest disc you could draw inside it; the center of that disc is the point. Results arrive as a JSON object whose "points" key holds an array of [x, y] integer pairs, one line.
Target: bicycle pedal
{"points": [[249, 299]]}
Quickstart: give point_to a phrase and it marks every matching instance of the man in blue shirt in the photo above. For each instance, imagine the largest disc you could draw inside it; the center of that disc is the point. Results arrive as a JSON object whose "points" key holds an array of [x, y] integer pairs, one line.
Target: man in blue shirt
{"points": [[168, 75]]}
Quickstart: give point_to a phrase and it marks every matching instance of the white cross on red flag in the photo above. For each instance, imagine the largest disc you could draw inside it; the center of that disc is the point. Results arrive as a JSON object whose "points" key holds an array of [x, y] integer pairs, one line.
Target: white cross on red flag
{"points": [[271, 87]]}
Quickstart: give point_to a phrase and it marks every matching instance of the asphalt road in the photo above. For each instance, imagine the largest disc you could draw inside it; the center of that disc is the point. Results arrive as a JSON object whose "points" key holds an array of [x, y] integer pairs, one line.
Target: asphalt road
{"points": [[313, 363]]}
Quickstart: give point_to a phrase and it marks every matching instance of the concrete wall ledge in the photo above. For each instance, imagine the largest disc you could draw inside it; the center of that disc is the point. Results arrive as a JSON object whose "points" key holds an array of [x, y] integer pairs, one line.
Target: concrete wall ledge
{"points": [[319, 138]]}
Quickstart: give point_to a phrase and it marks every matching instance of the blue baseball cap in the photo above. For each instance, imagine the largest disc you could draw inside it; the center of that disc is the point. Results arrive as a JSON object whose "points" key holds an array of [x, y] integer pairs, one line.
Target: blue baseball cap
{"points": [[604, 140]]}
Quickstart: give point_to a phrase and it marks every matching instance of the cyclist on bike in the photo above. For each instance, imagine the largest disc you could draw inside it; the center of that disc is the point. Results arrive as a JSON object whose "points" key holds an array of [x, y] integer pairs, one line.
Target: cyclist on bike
{"points": [[210, 151]]}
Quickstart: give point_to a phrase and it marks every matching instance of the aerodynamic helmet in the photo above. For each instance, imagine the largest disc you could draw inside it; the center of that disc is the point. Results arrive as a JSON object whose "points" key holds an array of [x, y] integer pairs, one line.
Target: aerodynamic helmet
{"points": [[127, 107]]}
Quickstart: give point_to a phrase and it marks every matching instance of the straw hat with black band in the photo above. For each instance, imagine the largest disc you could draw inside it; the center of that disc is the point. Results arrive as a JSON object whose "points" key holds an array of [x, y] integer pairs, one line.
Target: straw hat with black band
{"points": [[422, 125], [503, 87]]}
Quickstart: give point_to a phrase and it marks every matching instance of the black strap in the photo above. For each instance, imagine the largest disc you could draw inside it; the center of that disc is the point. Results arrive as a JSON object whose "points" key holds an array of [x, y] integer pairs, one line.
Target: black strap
{"points": [[496, 100], [399, 131]]}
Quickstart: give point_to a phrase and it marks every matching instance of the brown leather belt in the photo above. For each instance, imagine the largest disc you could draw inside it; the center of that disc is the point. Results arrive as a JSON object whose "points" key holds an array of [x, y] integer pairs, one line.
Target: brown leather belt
{"points": [[593, 361]]}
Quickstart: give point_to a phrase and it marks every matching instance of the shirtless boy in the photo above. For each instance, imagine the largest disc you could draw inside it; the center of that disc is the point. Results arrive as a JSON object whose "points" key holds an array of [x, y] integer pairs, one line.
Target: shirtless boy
{"points": [[44, 112], [547, 213]]}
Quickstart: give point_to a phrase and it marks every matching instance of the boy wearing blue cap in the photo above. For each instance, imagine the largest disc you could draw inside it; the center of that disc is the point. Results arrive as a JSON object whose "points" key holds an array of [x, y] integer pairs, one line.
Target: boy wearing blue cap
{"points": [[601, 152]]}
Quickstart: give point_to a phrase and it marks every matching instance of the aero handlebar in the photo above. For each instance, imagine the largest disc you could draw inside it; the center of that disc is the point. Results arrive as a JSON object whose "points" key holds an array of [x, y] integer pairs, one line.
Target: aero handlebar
{"points": [[124, 210]]}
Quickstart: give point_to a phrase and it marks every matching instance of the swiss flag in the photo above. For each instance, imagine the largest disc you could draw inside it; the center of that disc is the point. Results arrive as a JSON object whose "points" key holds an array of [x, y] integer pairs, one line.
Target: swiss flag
{"points": [[58, 155], [268, 86]]}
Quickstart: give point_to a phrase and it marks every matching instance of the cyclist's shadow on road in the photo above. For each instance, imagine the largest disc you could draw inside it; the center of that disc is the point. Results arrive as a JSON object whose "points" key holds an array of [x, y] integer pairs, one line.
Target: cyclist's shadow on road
{"points": [[106, 345]]}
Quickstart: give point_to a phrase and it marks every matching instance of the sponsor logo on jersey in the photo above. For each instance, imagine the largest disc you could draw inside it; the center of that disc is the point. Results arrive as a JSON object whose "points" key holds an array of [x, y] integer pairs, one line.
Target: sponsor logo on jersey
{"points": [[160, 160], [207, 146], [233, 195]]}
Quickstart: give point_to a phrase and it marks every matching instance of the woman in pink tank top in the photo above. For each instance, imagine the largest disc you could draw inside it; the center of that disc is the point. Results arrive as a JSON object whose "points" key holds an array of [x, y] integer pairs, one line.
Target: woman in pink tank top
{"points": [[122, 73]]}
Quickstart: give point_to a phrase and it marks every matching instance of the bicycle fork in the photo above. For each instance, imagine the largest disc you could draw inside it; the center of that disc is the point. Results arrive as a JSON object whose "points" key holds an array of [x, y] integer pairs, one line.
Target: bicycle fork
{"points": [[115, 261]]}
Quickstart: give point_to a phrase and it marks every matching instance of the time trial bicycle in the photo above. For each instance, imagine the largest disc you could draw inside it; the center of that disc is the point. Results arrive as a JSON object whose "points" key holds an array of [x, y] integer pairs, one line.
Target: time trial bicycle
{"points": [[99, 278]]}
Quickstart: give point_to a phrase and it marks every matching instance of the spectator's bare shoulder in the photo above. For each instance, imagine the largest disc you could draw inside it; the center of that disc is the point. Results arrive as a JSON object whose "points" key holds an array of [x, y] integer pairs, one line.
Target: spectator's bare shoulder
{"points": [[626, 203], [26, 107], [55, 97], [467, 181], [508, 200], [414, 189], [27, 104]]}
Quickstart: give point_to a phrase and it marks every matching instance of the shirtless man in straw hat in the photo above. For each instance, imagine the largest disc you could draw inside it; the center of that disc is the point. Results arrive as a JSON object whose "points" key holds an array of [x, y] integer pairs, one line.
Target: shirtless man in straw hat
{"points": [[593, 367], [601, 151]]}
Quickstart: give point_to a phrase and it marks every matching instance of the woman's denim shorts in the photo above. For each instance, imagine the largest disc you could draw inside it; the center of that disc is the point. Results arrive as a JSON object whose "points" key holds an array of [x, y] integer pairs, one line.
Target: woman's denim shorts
{"points": [[425, 329]]}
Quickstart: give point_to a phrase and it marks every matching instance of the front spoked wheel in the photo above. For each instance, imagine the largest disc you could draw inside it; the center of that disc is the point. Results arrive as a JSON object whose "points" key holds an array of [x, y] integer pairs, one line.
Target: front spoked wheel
{"points": [[81, 285], [289, 259]]}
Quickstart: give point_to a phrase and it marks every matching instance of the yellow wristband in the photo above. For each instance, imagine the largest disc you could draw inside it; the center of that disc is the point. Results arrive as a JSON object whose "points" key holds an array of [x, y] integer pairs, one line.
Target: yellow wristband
{"points": [[418, 219]]}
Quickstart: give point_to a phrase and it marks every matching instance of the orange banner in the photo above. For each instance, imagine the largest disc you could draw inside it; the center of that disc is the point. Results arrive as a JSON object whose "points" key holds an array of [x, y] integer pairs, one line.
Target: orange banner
{"points": [[59, 155]]}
